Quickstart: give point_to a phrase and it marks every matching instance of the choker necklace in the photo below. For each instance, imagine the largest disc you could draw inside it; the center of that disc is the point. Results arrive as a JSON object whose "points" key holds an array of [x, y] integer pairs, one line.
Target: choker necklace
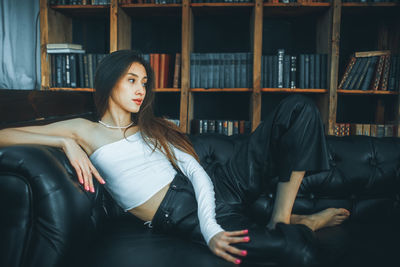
{"points": [[115, 127]]}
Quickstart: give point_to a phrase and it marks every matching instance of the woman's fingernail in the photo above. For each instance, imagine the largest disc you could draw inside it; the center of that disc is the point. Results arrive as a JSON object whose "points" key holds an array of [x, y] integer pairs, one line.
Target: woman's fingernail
{"points": [[103, 182], [246, 231], [92, 190], [244, 252], [246, 238], [87, 188], [237, 261]]}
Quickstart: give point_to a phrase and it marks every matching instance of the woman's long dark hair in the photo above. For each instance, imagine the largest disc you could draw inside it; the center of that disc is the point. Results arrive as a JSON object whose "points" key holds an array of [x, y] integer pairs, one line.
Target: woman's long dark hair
{"points": [[158, 132]]}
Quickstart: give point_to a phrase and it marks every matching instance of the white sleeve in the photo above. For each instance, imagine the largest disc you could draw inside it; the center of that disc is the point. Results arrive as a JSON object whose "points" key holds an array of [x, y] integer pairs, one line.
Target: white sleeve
{"points": [[204, 191]]}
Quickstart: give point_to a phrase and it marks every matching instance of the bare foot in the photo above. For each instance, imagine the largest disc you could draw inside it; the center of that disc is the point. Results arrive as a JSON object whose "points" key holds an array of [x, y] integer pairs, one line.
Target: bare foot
{"points": [[325, 218]]}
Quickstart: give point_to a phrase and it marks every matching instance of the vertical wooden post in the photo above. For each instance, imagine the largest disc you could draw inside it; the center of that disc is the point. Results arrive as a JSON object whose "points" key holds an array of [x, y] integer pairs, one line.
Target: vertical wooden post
{"points": [[44, 39], [186, 107], [257, 22], [333, 64], [120, 28]]}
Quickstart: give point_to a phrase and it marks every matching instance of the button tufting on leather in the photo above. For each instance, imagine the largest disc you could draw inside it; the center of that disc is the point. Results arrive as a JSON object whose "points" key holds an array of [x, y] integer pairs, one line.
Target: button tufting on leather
{"points": [[270, 195], [209, 159], [312, 196], [372, 161]]}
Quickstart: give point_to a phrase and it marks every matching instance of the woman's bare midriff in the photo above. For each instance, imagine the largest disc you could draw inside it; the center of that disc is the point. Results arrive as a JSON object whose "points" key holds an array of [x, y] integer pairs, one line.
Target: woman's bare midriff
{"points": [[147, 210]]}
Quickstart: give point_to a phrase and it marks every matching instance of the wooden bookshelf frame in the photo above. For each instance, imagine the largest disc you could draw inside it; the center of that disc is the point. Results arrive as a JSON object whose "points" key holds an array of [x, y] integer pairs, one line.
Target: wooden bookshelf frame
{"points": [[56, 26]]}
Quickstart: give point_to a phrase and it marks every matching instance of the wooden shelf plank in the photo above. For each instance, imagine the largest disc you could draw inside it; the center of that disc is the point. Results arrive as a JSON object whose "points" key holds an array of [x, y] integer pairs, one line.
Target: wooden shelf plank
{"points": [[387, 4], [296, 90], [294, 9], [167, 90], [221, 4], [83, 10], [368, 92], [71, 89], [221, 90]]}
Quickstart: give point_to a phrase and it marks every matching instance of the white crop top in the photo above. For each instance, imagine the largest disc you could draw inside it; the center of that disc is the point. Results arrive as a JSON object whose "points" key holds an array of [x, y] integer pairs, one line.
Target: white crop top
{"points": [[133, 174]]}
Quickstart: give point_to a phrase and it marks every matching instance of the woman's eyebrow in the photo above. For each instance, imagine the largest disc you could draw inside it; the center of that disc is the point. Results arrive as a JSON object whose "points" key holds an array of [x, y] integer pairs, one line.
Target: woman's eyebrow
{"points": [[145, 77]]}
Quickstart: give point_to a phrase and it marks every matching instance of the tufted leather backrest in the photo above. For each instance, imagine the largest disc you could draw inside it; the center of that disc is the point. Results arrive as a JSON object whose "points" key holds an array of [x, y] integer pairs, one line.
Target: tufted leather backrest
{"points": [[364, 177]]}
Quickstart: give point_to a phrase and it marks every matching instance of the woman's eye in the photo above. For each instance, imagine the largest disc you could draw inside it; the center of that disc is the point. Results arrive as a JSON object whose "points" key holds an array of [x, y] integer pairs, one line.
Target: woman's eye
{"points": [[131, 80], [144, 84]]}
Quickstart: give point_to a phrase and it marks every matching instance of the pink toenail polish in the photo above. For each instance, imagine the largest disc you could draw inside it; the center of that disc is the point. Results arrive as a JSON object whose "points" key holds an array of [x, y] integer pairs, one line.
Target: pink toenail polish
{"points": [[238, 261], [244, 252]]}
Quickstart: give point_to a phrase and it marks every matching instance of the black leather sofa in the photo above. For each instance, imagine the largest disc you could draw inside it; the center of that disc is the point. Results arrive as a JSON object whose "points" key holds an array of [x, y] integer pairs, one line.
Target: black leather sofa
{"points": [[48, 220]]}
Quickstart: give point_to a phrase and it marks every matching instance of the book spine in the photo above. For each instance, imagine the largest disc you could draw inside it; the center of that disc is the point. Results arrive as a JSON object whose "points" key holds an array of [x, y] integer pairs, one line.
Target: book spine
{"points": [[162, 70], [232, 70], [368, 76], [363, 73], [385, 74], [215, 70], [349, 67], [317, 69], [307, 71], [302, 70], [64, 70], [263, 72], [73, 71], [59, 70], [286, 71], [392, 76], [378, 73], [293, 72], [281, 54], [353, 70], [357, 74], [81, 71], [192, 71], [177, 68], [243, 73], [324, 71], [221, 70], [227, 68], [211, 126], [312, 71], [53, 70], [275, 71], [270, 71], [237, 69], [235, 127]]}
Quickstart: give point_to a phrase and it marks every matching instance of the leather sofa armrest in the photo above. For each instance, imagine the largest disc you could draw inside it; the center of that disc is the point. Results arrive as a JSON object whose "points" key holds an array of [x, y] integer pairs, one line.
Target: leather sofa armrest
{"points": [[46, 216]]}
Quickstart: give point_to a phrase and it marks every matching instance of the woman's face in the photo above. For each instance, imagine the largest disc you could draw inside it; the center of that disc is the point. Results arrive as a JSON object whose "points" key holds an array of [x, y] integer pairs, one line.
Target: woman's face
{"points": [[129, 92]]}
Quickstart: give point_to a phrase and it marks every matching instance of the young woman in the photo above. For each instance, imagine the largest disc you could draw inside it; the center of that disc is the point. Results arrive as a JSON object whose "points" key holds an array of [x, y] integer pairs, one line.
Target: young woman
{"points": [[152, 171]]}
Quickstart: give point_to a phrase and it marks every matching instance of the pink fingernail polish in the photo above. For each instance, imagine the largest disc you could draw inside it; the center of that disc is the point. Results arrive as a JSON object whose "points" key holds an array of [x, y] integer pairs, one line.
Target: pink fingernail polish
{"points": [[238, 261], [246, 238], [246, 231], [244, 252], [92, 190], [87, 188]]}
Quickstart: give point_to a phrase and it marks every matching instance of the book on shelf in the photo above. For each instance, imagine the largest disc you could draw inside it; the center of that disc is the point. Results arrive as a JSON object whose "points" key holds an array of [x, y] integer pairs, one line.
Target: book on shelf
{"points": [[288, 71], [373, 70], [63, 46], [72, 70], [166, 68], [220, 70], [375, 130], [224, 127]]}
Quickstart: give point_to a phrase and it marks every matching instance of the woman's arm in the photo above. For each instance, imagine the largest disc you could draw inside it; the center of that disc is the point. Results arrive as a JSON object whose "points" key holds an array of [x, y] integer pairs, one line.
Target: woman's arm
{"points": [[66, 135], [217, 239]]}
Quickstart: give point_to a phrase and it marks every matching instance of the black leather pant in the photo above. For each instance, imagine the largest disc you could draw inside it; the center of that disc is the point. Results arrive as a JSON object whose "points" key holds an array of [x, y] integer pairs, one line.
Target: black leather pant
{"points": [[290, 139]]}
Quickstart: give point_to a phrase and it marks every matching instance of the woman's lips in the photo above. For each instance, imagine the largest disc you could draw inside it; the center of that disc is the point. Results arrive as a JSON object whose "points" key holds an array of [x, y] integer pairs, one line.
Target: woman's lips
{"points": [[138, 102]]}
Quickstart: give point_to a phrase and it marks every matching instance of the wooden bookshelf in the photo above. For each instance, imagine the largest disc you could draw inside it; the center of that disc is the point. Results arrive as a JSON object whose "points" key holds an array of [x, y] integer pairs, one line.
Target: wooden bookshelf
{"points": [[57, 27]]}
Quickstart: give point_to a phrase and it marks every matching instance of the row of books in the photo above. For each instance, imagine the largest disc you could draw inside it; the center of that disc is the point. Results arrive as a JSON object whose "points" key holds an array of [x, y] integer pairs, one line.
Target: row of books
{"points": [[74, 70], [79, 2], [302, 71], [374, 70], [376, 130], [166, 69], [225, 127], [220, 70]]}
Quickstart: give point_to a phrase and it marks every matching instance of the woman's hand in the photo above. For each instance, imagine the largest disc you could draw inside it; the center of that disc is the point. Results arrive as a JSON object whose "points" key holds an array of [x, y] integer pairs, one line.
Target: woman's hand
{"points": [[220, 245], [82, 164]]}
